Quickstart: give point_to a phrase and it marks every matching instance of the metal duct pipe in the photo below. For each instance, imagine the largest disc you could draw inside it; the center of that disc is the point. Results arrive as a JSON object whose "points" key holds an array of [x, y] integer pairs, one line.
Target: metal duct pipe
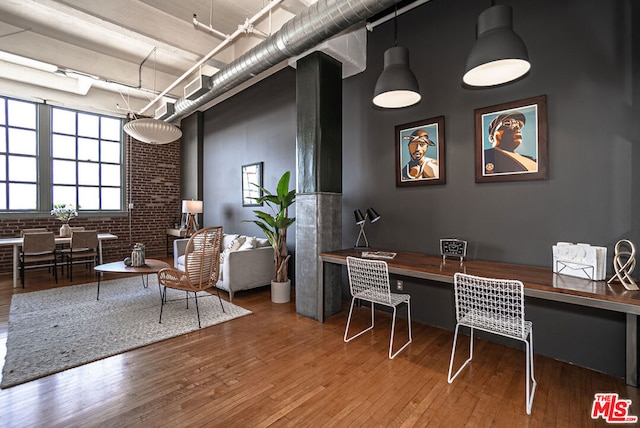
{"points": [[311, 27]]}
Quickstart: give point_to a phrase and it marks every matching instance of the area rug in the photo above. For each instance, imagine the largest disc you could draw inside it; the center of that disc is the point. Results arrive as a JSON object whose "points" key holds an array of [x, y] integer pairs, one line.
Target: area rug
{"points": [[54, 330]]}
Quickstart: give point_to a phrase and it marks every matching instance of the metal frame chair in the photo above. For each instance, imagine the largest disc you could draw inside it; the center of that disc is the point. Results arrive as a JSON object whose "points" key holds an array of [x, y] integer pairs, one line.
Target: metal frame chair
{"points": [[369, 281], [202, 268], [495, 306], [83, 247], [38, 248]]}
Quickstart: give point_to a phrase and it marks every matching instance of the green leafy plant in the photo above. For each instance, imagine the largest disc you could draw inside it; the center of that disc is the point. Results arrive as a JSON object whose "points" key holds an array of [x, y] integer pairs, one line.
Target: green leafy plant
{"points": [[64, 212], [274, 224]]}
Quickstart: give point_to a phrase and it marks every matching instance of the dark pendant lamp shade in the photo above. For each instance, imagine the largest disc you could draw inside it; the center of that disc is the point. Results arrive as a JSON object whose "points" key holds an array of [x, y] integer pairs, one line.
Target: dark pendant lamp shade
{"points": [[499, 54], [397, 86]]}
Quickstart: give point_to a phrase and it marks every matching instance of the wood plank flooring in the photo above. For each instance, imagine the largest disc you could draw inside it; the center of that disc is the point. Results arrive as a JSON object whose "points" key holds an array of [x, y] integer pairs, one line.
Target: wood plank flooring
{"points": [[275, 368]]}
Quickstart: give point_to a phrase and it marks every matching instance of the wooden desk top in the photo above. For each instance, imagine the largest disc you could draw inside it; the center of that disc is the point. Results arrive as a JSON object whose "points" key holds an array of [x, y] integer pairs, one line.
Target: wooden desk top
{"points": [[151, 266], [538, 281]]}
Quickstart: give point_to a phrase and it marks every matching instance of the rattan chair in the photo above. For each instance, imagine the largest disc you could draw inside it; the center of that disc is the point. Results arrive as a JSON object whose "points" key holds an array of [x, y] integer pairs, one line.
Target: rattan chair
{"points": [[495, 306], [38, 250], [369, 281], [82, 248], [202, 268]]}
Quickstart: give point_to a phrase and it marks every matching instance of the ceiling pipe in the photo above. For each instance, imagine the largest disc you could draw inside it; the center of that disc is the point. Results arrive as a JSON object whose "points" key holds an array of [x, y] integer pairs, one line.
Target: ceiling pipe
{"points": [[319, 22], [208, 28], [217, 49], [371, 25]]}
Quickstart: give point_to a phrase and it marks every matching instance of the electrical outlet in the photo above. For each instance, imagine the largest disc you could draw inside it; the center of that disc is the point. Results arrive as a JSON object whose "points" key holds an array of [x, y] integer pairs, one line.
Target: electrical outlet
{"points": [[131, 205], [399, 285]]}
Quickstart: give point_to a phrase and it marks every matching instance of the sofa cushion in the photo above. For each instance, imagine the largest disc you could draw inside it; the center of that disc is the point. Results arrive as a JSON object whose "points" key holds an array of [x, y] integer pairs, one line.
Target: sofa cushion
{"points": [[227, 240], [232, 246], [262, 242], [249, 244]]}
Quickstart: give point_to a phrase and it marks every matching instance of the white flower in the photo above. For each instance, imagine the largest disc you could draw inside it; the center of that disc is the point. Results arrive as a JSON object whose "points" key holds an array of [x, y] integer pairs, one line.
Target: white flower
{"points": [[64, 212]]}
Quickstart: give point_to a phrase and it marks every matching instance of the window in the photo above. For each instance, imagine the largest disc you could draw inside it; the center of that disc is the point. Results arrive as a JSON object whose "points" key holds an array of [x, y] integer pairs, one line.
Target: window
{"points": [[51, 155]]}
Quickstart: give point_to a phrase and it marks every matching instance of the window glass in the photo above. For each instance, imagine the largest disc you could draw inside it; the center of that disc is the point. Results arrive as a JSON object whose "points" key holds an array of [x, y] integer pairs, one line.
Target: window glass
{"points": [[88, 174], [110, 175], [111, 198], [89, 198], [3, 139], [3, 112], [22, 141], [22, 114], [22, 168], [110, 152], [64, 172], [63, 146], [111, 129], [64, 195], [88, 125], [63, 121], [3, 168], [3, 197], [88, 150], [22, 196]]}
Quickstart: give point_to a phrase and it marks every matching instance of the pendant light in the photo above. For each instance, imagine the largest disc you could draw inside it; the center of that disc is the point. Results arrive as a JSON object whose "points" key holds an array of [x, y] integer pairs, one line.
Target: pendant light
{"points": [[397, 86], [499, 54], [151, 130]]}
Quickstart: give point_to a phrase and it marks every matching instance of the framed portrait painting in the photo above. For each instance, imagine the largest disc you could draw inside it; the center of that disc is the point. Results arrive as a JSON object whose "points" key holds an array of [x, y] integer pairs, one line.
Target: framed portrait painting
{"points": [[511, 141], [251, 176], [420, 153]]}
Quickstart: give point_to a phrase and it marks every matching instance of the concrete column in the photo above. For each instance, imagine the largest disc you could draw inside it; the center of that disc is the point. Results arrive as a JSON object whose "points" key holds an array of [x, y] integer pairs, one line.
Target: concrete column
{"points": [[319, 182]]}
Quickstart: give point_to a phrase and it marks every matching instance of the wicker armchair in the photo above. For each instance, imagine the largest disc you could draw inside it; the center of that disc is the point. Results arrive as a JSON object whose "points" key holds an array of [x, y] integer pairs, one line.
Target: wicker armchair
{"points": [[202, 268]]}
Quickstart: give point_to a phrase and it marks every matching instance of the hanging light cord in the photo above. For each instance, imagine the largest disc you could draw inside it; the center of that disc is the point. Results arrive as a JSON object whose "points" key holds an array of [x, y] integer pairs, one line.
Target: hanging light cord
{"points": [[395, 26]]}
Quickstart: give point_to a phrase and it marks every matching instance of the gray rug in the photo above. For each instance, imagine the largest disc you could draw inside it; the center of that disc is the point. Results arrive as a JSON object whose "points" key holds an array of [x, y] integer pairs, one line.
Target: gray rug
{"points": [[53, 330]]}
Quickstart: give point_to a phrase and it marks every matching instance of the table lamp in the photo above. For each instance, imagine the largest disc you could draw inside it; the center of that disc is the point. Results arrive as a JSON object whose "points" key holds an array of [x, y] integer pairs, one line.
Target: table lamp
{"points": [[192, 209], [361, 219]]}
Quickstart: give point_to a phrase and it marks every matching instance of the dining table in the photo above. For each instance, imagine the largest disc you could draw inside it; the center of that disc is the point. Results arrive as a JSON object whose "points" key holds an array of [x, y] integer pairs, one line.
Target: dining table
{"points": [[60, 240]]}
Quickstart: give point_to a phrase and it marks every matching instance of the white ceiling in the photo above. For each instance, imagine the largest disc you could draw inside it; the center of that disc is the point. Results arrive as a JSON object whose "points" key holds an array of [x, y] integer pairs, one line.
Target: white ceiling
{"points": [[118, 54]]}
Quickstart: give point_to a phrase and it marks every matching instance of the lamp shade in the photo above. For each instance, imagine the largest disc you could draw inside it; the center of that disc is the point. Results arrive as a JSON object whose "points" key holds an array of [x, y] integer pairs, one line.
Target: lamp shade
{"points": [[359, 217], [397, 86], [499, 54], [152, 131], [373, 215], [192, 207]]}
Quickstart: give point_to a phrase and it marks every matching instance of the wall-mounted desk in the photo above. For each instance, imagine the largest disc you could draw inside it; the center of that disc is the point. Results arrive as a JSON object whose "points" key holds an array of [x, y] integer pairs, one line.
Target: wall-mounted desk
{"points": [[17, 243], [539, 282]]}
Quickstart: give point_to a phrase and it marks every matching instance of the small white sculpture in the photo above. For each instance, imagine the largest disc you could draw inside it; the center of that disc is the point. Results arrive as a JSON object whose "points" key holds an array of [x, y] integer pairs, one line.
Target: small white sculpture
{"points": [[624, 261]]}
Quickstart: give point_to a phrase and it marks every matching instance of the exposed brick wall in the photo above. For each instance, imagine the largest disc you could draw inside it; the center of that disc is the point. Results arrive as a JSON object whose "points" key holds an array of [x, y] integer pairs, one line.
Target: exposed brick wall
{"points": [[155, 194]]}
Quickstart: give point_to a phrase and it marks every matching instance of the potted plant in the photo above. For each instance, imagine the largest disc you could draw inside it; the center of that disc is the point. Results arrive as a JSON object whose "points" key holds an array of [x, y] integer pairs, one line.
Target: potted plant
{"points": [[64, 213], [274, 225]]}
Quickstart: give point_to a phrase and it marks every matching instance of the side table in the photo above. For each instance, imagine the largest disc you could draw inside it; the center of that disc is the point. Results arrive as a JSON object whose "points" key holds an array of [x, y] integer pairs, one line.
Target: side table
{"points": [[178, 233]]}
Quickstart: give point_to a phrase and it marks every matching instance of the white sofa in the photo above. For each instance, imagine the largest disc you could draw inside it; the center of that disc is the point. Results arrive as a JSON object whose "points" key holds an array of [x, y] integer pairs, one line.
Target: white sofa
{"points": [[246, 262]]}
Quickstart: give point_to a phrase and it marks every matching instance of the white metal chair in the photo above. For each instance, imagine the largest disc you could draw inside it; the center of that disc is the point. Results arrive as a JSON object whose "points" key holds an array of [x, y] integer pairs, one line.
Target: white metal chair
{"points": [[495, 306], [369, 281]]}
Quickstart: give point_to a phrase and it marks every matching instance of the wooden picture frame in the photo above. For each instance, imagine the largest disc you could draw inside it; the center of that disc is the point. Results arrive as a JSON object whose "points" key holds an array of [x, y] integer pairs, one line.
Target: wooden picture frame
{"points": [[511, 141], [426, 164], [251, 175]]}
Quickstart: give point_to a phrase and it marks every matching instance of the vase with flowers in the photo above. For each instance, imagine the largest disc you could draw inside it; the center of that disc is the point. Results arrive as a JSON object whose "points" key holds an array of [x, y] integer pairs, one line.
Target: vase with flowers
{"points": [[64, 213]]}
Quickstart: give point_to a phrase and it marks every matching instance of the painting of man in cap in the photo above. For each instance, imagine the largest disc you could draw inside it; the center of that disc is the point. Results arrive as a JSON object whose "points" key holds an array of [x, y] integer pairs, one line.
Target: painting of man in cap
{"points": [[508, 151], [420, 153], [420, 166]]}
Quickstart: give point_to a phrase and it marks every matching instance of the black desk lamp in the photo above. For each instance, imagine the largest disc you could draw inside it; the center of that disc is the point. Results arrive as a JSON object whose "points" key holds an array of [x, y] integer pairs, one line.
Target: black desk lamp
{"points": [[373, 216]]}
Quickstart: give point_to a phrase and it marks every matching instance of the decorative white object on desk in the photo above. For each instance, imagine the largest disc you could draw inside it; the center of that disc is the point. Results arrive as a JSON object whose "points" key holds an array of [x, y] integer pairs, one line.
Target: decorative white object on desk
{"points": [[624, 262], [580, 260]]}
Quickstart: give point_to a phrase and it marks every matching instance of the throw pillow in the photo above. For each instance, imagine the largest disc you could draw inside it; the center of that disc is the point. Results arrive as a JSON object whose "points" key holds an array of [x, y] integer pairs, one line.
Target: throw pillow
{"points": [[249, 244], [262, 242], [233, 245]]}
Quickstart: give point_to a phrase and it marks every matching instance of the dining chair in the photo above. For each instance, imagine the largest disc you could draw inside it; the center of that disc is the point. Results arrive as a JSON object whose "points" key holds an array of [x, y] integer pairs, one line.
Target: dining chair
{"points": [[369, 281], [495, 306], [34, 230], [38, 250], [201, 268], [82, 248]]}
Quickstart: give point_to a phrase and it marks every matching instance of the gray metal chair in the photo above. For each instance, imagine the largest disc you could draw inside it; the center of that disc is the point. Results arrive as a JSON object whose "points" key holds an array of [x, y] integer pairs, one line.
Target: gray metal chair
{"points": [[495, 306], [369, 281]]}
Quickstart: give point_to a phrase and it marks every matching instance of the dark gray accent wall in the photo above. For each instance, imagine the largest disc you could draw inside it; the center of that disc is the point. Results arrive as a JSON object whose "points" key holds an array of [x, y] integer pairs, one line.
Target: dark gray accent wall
{"points": [[258, 125], [191, 176], [585, 61]]}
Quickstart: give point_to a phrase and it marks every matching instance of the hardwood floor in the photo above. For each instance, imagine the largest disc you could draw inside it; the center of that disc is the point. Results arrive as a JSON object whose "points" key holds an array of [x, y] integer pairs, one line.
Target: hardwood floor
{"points": [[276, 368]]}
